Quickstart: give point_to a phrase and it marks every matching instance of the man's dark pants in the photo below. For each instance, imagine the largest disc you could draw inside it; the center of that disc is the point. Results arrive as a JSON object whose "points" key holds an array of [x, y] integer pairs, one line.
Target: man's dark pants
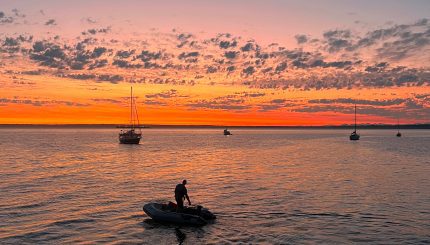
{"points": [[180, 203]]}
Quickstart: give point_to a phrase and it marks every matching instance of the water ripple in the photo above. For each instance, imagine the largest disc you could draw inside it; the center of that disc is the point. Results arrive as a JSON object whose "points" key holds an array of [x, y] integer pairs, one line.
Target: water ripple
{"points": [[265, 186]]}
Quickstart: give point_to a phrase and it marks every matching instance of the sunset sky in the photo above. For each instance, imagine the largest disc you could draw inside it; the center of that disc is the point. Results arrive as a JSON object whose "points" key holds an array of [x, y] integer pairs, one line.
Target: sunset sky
{"points": [[215, 62]]}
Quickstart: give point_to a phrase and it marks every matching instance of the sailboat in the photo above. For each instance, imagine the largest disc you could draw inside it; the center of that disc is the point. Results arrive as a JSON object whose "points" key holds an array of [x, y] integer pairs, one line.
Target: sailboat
{"points": [[131, 134], [398, 129], [354, 135]]}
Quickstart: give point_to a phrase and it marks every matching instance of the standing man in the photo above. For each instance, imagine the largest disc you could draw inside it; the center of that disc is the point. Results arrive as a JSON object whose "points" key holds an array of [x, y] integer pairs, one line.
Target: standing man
{"points": [[181, 194]]}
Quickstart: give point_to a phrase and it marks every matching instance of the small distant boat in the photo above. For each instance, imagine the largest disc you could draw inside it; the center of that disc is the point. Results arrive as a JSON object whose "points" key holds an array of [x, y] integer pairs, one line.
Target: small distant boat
{"points": [[354, 135], [226, 132], [398, 129], [132, 134], [166, 213]]}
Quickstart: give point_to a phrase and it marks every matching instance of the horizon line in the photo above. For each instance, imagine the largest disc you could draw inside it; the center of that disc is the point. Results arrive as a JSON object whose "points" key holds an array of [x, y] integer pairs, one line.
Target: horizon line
{"points": [[369, 125]]}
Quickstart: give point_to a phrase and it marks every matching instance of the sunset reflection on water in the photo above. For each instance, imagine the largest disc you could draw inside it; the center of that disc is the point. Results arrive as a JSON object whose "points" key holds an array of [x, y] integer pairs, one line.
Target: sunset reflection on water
{"points": [[273, 186]]}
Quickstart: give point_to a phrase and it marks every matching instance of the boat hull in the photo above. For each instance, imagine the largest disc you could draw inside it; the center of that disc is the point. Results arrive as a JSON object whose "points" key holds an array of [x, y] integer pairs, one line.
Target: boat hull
{"points": [[354, 137], [226, 132], [130, 137], [156, 212], [134, 141]]}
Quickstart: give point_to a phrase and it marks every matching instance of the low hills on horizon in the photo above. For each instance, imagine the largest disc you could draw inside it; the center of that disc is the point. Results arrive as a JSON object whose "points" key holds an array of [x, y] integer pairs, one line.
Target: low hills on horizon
{"points": [[344, 126]]}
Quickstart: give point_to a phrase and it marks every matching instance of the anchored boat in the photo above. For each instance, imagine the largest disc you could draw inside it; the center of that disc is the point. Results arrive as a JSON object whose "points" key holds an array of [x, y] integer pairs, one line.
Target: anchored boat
{"points": [[131, 134], [226, 132], [398, 129], [354, 135]]}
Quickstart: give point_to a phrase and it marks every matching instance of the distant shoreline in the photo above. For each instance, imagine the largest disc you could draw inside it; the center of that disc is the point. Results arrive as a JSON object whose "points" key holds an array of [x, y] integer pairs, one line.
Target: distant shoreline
{"points": [[365, 126]]}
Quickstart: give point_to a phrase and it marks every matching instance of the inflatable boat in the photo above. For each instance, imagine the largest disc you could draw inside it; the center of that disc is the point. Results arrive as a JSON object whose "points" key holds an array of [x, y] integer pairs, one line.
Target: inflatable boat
{"points": [[166, 213]]}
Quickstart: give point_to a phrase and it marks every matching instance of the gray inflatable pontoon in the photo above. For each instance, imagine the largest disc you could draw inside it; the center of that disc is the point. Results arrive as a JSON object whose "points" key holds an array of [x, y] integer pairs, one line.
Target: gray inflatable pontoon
{"points": [[195, 216]]}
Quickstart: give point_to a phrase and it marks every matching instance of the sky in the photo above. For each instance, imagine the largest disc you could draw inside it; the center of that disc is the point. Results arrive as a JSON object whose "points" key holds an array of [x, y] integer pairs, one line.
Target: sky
{"points": [[215, 62]]}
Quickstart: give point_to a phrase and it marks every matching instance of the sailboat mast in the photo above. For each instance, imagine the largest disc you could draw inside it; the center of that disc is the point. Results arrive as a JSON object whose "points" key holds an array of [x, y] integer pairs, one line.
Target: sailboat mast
{"points": [[355, 118], [131, 107]]}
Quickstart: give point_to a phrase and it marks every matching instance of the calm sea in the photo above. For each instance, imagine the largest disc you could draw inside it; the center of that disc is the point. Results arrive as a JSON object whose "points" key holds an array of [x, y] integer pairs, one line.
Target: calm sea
{"points": [[266, 186]]}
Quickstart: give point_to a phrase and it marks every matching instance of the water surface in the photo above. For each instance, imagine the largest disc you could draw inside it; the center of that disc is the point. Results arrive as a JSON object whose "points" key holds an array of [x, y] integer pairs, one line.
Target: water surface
{"points": [[266, 186]]}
